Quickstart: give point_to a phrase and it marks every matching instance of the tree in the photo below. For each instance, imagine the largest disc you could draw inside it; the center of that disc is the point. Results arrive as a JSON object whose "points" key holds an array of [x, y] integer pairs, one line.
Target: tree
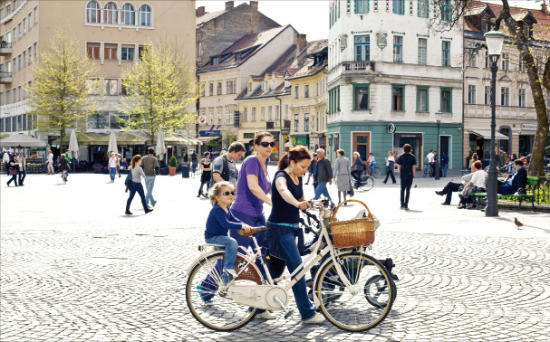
{"points": [[162, 92], [521, 37], [58, 94]]}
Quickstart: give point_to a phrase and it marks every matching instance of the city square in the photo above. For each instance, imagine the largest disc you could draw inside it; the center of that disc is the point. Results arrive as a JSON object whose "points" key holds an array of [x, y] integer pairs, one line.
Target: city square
{"points": [[75, 268]]}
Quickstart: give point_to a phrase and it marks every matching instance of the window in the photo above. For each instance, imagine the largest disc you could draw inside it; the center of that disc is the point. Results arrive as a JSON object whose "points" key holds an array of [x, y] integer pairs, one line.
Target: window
{"points": [[521, 64], [361, 6], [92, 50], [211, 89], [93, 13], [423, 8], [362, 48], [446, 53], [19, 62], [505, 61], [110, 51], [20, 30], [361, 96], [306, 122], [98, 121], [399, 6], [446, 100], [110, 87], [471, 94], [306, 91], [270, 113], [277, 112], [24, 25], [504, 96], [245, 114], [398, 49], [118, 121], [35, 14], [521, 98], [253, 115], [398, 97], [144, 16], [472, 58], [422, 100], [36, 51], [446, 10], [422, 51], [110, 13], [128, 15], [296, 92], [296, 123], [219, 88], [127, 53], [230, 87], [24, 59], [487, 95], [286, 112], [29, 54], [262, 114], [29, 21], [92, 84]]}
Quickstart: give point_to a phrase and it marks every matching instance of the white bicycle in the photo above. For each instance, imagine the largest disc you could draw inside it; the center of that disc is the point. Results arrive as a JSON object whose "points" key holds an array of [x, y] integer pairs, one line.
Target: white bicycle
{"points": [[352, 289]]}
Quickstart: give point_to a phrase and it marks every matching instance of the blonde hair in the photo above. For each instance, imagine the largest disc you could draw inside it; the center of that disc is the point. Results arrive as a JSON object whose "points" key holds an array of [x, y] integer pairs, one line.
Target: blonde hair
{"points": [[391, 153], [216, 190]]}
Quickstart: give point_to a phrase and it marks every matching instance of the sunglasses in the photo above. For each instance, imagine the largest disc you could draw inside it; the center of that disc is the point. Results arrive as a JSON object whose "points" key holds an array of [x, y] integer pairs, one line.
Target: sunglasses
{"points": [[266, 144], [227, 193]]}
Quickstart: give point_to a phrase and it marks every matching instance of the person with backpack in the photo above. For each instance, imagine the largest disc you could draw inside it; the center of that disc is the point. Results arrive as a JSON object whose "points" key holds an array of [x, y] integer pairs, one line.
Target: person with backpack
{"points": [[224, 167], [407, 168]]}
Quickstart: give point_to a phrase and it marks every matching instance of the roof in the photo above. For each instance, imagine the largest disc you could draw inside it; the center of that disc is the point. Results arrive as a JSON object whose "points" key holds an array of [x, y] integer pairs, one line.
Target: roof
{"points": [[242, 50], [209, 16]]}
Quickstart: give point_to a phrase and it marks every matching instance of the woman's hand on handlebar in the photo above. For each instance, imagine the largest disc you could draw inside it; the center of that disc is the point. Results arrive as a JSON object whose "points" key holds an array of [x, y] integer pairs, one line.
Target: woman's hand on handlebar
{"points": [[246, 230], [304, 205]]}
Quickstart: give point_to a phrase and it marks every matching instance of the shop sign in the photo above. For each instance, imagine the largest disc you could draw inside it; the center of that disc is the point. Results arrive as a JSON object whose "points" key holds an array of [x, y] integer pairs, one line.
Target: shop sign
{"points": [[202, 120], [299, 141], [528, 127], [285, 131], [35, 165], [212, 132]]}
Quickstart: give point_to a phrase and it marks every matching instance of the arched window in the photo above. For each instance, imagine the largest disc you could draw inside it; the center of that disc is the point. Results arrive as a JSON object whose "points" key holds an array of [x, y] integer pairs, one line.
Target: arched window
{"points": [[144, 18], [93, 12], [110, 13], [128, 15]]}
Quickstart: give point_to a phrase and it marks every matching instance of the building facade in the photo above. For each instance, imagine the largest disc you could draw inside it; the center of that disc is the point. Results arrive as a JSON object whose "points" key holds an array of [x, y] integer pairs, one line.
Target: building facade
{"points": [[394, 79], [516, 119], [111, 33]]}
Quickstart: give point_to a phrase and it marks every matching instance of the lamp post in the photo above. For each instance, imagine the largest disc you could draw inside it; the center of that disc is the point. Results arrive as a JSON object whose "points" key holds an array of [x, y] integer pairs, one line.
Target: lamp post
{"points": [[438, 158], [494, 41]]}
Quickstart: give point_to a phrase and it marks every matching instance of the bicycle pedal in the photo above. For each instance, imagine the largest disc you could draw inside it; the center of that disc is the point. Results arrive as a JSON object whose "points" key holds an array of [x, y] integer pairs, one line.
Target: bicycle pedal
{"points": [[288, 314]]}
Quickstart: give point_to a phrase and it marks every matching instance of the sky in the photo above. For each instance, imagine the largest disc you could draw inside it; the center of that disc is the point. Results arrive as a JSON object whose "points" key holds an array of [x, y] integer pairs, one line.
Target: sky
{"points": [[311, 17]]}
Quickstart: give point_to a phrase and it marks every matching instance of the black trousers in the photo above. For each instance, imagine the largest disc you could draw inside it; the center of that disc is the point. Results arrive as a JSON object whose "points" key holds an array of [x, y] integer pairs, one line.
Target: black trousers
{"points": [[207, 182], [357, 176], [390, 173], [405, 191], [449, 189]]}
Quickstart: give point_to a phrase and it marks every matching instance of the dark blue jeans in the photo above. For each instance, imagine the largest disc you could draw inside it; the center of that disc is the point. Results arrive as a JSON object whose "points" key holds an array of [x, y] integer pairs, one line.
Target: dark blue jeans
{"points": [[136, 187], [22, 175], [283, 240], [405, 192]]}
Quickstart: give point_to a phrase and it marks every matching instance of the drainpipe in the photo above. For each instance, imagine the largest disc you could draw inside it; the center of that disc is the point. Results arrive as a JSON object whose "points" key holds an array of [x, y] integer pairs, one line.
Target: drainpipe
{"points": [[281, 140]]}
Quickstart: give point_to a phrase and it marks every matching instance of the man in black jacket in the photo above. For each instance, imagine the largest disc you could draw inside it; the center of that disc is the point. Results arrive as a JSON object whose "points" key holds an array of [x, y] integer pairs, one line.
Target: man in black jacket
{"points": [[324, 175], [512, 184], [407, 168]]}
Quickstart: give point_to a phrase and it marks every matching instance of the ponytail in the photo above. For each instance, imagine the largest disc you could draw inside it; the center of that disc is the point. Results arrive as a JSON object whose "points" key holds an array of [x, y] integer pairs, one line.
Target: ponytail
{"points": [[283, 163]]}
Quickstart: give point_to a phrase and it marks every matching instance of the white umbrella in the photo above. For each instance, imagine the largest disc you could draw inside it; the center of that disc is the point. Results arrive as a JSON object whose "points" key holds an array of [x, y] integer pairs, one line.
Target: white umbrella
{"points": [[21, 140], [73, 145], [160, 149], [112, 143]]}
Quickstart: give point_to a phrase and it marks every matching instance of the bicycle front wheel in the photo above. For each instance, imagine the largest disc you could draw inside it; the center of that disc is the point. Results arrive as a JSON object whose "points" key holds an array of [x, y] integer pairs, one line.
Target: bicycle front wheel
{"points": [[211, 306], [366, 184], [365, 303]]}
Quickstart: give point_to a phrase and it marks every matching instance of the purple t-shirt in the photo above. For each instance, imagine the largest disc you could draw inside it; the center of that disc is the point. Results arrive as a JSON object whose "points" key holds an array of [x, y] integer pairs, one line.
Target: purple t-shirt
{"points": [[245, 201]]}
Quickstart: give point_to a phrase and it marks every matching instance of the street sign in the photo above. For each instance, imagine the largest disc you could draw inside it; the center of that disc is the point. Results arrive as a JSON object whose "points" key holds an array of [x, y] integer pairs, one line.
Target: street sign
{"points": [[202, 120]]}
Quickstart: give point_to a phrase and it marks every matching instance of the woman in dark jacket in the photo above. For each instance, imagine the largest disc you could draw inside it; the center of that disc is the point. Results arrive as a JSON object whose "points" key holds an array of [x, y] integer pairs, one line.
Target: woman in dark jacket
{"points": [[63, 166], [206, 167], [13, 167], [357, 167]]}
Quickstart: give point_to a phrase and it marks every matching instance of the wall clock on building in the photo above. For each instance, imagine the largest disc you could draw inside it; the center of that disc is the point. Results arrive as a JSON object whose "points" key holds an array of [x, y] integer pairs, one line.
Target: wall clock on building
{"points": [[391, 128]]}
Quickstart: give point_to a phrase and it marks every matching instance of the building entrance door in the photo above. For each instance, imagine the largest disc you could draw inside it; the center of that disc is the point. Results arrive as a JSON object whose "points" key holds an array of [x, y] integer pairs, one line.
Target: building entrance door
{"points": [[413, 139], [444, 146], [361, 144]]}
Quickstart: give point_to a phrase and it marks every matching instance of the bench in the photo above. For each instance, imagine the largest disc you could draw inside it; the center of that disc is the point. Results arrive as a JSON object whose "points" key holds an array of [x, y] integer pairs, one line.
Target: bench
{"points": [[526, 194]]}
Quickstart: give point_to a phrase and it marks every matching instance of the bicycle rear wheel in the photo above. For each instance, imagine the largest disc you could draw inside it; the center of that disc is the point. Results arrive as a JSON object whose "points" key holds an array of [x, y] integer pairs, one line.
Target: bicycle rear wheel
{"points": [[377, 172], [365, 303], [366, 184], [210, 305]]}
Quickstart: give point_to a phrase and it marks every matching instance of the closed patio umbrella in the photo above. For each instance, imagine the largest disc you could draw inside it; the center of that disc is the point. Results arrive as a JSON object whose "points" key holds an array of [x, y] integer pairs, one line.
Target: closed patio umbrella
{"points": [[160, 149], [73, 146], [113, 147]]}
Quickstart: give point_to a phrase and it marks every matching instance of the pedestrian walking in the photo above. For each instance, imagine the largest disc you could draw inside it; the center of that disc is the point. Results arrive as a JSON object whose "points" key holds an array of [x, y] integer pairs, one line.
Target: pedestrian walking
{"points": [[372, 164], [502, 157], [206, 167], [136, 186], [357, 167], [13, 167], [431, 161], [118, 164], [22, 161], [51, 169], [342, 175], [312, 168], [6, 158], [63, 167], [324, 174], [444, 163], [390, 165], [224, 167], [149, 163], [194, 161], [112, 166], [407, 169]]}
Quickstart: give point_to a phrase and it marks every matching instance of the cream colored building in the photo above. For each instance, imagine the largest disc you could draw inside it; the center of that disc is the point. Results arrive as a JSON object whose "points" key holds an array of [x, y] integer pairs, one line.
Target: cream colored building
{"points": [[112, 33]]}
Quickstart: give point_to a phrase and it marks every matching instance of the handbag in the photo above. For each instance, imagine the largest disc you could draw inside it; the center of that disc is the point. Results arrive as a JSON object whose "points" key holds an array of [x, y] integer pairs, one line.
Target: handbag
{"points": [[13, 172]]}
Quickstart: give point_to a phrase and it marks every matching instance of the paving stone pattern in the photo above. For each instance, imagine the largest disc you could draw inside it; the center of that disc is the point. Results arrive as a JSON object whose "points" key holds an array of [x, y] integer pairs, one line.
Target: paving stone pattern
{"points": [[86, 273]]}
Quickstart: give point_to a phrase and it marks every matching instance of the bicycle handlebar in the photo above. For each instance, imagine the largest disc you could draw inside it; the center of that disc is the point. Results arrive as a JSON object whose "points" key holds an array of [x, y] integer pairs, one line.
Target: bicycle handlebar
{"points": [[255, 230]]}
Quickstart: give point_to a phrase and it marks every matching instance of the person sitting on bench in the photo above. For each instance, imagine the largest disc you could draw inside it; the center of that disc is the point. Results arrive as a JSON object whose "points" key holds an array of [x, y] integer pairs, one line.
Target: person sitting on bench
{"points": [[479, 179], [455, 187], [512, 184]]}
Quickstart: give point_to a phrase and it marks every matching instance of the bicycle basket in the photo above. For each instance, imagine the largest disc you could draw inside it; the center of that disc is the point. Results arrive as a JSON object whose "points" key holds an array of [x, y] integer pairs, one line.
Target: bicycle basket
{"points": [[352, 233]]}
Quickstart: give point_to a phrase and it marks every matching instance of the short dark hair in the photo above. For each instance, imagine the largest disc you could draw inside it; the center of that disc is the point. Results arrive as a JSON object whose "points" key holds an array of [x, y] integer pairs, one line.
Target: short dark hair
{"points": [[206, 154], [518, 162], [407, 148], [236, 147], [150, 151]]}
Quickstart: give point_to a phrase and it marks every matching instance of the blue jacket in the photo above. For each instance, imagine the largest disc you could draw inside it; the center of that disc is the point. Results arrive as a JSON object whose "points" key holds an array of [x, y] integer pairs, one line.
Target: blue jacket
{"points": [[358, 164], [519, 179], [219, 222]]}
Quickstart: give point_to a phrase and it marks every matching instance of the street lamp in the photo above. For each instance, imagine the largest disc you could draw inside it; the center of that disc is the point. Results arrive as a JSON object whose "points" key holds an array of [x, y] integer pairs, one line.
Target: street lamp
{"points": [[438, 158], [494, 41]]}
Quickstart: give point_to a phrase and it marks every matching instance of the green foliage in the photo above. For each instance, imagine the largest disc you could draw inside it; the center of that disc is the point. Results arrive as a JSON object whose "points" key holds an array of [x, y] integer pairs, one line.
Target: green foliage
{"points": [[58, 93], [162, 92], [173, 161], [213, 142]]}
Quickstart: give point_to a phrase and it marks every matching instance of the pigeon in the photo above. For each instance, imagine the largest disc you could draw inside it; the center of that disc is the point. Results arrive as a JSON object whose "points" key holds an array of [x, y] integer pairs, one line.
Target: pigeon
{"points": [[415, 185], [518, 223]]}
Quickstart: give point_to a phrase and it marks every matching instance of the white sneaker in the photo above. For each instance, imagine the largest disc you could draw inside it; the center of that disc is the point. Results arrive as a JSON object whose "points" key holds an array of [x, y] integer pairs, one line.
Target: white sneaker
{"points": [[318, 318], [232, 272], [266, 315]]}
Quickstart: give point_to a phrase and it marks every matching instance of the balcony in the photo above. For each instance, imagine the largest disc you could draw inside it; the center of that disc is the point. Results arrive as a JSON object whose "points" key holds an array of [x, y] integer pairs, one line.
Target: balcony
{"points": [[357, 67], [5, 77], [5, 49]]}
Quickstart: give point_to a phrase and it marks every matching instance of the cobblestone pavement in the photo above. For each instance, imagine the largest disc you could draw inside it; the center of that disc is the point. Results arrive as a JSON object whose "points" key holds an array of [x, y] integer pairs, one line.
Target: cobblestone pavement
{"points": [[74, 268]]}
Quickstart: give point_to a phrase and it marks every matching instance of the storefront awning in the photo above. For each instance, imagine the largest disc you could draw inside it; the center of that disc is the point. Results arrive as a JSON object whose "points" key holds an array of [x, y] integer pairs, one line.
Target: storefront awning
{"points": [[486, 134]]}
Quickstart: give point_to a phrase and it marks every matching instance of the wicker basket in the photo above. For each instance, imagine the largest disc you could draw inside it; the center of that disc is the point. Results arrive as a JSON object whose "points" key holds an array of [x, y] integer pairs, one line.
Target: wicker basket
{"points": [[352, 233]]}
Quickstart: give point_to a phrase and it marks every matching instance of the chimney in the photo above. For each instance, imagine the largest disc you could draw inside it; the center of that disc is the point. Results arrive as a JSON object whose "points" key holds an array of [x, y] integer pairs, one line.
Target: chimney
{"points": [[301, 43], [544, 8], [254, 6], [229, 5], [200, 11]]}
